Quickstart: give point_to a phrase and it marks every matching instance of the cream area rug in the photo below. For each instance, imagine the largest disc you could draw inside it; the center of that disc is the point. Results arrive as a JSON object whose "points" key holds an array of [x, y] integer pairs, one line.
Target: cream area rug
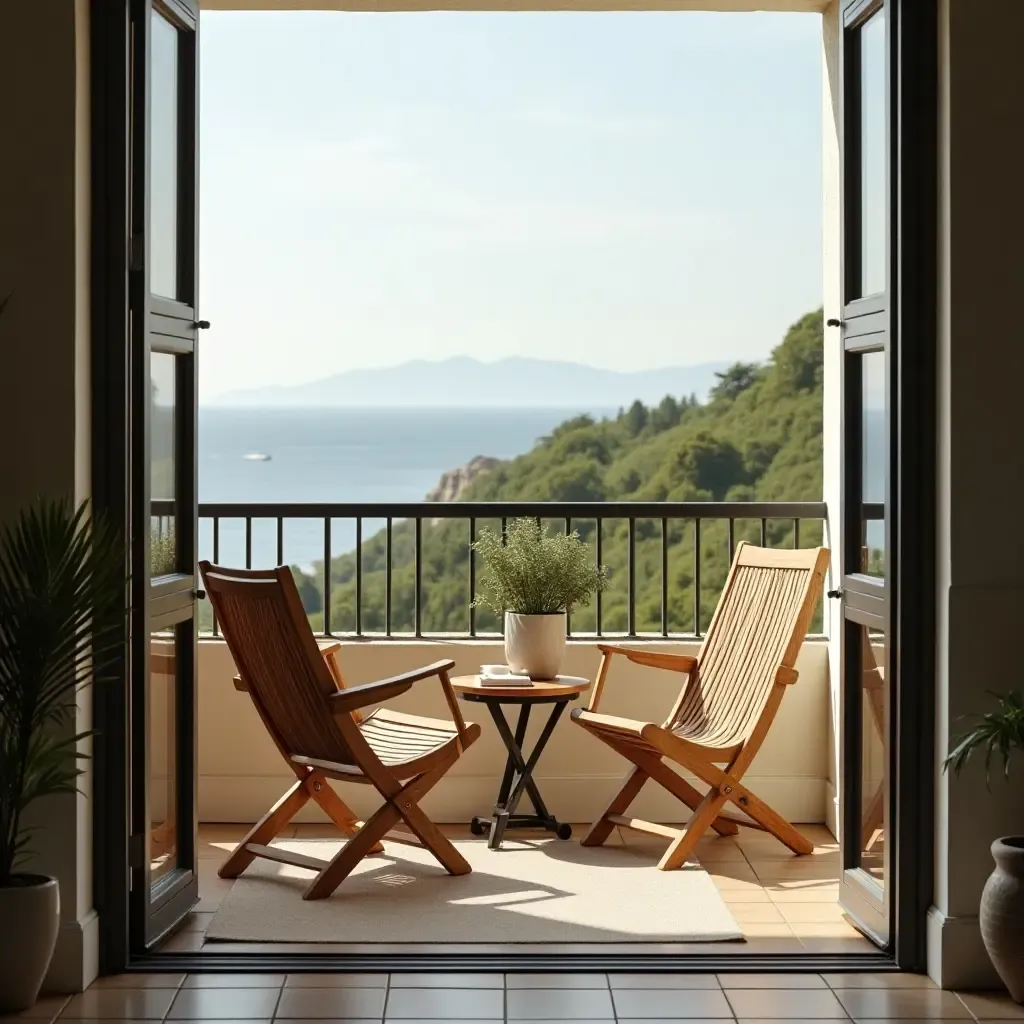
{"points": [[542, 890]]}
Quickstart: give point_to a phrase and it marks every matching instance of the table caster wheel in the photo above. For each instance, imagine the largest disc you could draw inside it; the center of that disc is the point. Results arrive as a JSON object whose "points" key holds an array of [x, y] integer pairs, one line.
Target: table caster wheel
{"points": [[478, 827], [564, 831]]}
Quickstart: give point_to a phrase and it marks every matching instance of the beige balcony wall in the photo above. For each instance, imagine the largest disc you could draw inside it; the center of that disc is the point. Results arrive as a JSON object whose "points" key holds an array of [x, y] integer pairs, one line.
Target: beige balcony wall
{"points": [[241, 773]]}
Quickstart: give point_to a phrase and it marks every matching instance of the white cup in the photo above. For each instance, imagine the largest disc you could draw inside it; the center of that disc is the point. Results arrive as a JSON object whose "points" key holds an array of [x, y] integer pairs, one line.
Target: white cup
{"points": [[494, 670]]}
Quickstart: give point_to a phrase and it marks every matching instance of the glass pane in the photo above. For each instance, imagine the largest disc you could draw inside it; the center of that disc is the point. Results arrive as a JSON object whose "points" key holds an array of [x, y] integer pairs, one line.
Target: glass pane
{"points": [[872, 155], [163, 736], [874, 752], [162, 457], [873, 463], [163, 159]]}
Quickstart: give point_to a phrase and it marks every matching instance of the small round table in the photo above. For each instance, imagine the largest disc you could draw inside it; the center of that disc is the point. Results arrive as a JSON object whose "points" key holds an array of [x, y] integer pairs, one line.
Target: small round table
{"points": [[518, 775]]}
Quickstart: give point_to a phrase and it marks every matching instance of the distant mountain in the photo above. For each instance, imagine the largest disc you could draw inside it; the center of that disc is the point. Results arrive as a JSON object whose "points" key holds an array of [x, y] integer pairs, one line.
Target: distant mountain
{"points": [[466, 382]]}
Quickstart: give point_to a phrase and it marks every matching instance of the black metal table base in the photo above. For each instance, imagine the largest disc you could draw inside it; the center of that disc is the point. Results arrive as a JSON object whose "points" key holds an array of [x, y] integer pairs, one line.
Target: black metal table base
{"points": [[517, 779]]}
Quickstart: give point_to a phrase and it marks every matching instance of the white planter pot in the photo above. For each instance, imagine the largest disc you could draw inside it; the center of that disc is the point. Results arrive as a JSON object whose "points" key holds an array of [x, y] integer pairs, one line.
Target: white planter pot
{"points": [[535, 644], [30, 914]]}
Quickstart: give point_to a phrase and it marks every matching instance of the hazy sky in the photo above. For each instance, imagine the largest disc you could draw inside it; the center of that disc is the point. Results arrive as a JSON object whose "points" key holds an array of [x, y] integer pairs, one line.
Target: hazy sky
{"points": [[628, 190]]}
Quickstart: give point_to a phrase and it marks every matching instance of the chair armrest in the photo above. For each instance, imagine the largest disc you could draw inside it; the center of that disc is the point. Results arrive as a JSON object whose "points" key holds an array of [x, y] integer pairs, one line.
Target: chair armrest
{"points": [[653, 659], [673, 662], [354, 697], [240, 684]]}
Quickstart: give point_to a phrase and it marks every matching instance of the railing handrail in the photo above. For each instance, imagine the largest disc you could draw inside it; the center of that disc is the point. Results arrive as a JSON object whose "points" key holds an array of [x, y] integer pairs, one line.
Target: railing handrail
{"points": [[510, 509]]}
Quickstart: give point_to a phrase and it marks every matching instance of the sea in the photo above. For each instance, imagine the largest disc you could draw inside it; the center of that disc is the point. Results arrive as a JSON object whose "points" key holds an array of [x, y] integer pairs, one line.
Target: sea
{"points": [[343, 455]]}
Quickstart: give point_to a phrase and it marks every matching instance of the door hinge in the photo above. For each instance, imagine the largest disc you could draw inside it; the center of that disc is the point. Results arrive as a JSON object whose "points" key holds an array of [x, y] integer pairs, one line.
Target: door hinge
{"points": [[136, 851]]}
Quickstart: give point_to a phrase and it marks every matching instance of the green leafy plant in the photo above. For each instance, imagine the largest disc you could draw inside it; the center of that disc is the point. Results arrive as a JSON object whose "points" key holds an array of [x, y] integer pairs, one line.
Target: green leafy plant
{"points": [[62, 614], [998, 732], [163, 552], [533, 572]]}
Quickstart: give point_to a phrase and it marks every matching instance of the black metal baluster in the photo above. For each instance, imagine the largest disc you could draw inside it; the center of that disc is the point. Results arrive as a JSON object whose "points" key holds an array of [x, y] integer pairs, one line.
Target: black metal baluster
{"points": [[764, 533], [387, 579], [280, 540], [597, 546], [696, 577], [327, 576], [248, 542], [568, 617], [216, 561], [359, 576], [472, 577], [796, 533], [664, 577], [418, 565], [631, 576], [504, 540], [732, 539]]}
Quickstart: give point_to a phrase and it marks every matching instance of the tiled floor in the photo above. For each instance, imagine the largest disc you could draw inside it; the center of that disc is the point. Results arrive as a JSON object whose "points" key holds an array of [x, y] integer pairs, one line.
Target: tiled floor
{"points": [[467, 998], [784, 904]]}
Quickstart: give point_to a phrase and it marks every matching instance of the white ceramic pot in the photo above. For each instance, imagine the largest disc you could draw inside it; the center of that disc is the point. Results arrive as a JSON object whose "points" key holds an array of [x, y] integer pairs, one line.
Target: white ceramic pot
{"points": [[30, 912], [535, 644]]}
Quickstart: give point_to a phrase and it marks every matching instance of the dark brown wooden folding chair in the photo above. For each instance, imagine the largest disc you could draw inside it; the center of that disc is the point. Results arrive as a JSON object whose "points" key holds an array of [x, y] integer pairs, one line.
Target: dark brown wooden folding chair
{"points": [[315, 722], [726, 706]]}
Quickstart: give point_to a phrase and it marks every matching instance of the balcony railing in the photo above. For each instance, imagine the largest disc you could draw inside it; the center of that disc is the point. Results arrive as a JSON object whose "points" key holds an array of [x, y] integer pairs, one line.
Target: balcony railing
{"points": [[665, 534]]}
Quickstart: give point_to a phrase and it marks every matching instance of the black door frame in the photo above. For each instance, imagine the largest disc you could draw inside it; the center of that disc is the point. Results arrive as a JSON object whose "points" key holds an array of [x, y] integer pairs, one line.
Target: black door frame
{"points": [[912, 583]]}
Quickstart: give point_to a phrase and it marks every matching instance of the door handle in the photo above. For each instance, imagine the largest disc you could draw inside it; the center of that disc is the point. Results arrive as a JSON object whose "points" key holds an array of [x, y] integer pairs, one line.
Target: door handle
{"points": [[200, 595], [838, 592], [833, 322], [201, 325]]}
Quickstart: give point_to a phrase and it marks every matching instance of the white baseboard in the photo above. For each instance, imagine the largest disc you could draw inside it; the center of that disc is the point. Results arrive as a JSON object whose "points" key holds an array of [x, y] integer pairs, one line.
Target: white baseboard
{"points": [[956, 953], [76, 958], [457, 798]]}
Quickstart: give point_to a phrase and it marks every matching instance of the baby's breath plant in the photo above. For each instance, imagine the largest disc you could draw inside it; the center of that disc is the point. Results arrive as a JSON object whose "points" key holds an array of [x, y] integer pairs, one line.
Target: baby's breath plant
{"points": [[534, 572]]}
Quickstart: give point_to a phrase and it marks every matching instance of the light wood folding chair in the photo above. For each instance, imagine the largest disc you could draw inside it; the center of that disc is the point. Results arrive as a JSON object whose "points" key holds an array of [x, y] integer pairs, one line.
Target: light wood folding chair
{"points": [[315, 722], [873, 684], [725, 708]]}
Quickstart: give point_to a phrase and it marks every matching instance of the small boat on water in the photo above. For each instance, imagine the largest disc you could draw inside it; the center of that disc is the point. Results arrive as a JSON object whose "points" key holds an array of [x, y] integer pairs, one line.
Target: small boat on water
{"points": [[257, 457]]}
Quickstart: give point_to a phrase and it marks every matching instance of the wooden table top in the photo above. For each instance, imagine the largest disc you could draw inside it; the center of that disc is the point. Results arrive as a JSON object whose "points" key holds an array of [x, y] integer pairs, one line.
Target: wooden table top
{"points": [[541, 688]]}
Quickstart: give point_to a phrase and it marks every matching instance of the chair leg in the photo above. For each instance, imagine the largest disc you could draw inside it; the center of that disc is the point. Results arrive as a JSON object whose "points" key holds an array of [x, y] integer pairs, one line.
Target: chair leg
{"points": [[335, 808], [369, 836], [770, 820], [680, 850], [602, 827], [684, 792], [266, 829], [872, 818], [435, 841]]}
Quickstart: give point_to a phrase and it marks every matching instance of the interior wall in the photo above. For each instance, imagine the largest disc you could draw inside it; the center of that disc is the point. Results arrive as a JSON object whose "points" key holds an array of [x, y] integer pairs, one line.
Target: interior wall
{"points": [[979, 563], [44, 360]]}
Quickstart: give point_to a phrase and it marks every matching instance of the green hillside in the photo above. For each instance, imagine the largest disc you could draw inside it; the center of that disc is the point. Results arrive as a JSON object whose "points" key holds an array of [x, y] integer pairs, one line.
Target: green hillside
{"points": [[758, 437]]}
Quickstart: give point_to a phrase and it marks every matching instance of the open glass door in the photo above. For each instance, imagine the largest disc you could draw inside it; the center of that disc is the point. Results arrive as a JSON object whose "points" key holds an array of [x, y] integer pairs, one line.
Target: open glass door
{"points": [[164, 879], [866, 723]]}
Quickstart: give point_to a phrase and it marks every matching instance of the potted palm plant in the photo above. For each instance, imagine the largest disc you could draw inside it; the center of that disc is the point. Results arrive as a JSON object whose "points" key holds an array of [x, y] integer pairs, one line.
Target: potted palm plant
{"points": [[62, 610], [999, 733], [535, 578]]}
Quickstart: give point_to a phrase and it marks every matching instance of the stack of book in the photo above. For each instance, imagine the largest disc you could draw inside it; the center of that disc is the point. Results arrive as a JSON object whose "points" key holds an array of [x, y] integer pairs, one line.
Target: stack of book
{"points": [[501, 675]]}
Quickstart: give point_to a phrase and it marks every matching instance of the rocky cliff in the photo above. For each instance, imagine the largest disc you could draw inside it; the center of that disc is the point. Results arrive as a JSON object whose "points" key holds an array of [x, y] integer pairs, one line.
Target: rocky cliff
{"points": [[452, 485]]}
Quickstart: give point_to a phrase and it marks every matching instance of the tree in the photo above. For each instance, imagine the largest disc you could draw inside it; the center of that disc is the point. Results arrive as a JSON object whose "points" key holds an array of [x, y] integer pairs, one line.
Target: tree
{"points": [[636, 418], [734, 381], [710, 464], [666, 414]]}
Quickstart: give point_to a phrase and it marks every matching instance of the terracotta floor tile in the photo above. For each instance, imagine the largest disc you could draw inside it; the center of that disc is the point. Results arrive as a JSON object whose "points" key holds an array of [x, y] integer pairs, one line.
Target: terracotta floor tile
{"points": [[331, 1003], [552, 1004], [556, 980], [415, 979], [45, 1008], [880, 979], [445, 1004], [813, 912], [119, 1004], [669, 981], [137, 980], [354, 980], [785, 1004], [992, 1005], [224, 1004], [780, 980], [756, 913], [907, 1004], [214, 979], [669, 1003]]}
